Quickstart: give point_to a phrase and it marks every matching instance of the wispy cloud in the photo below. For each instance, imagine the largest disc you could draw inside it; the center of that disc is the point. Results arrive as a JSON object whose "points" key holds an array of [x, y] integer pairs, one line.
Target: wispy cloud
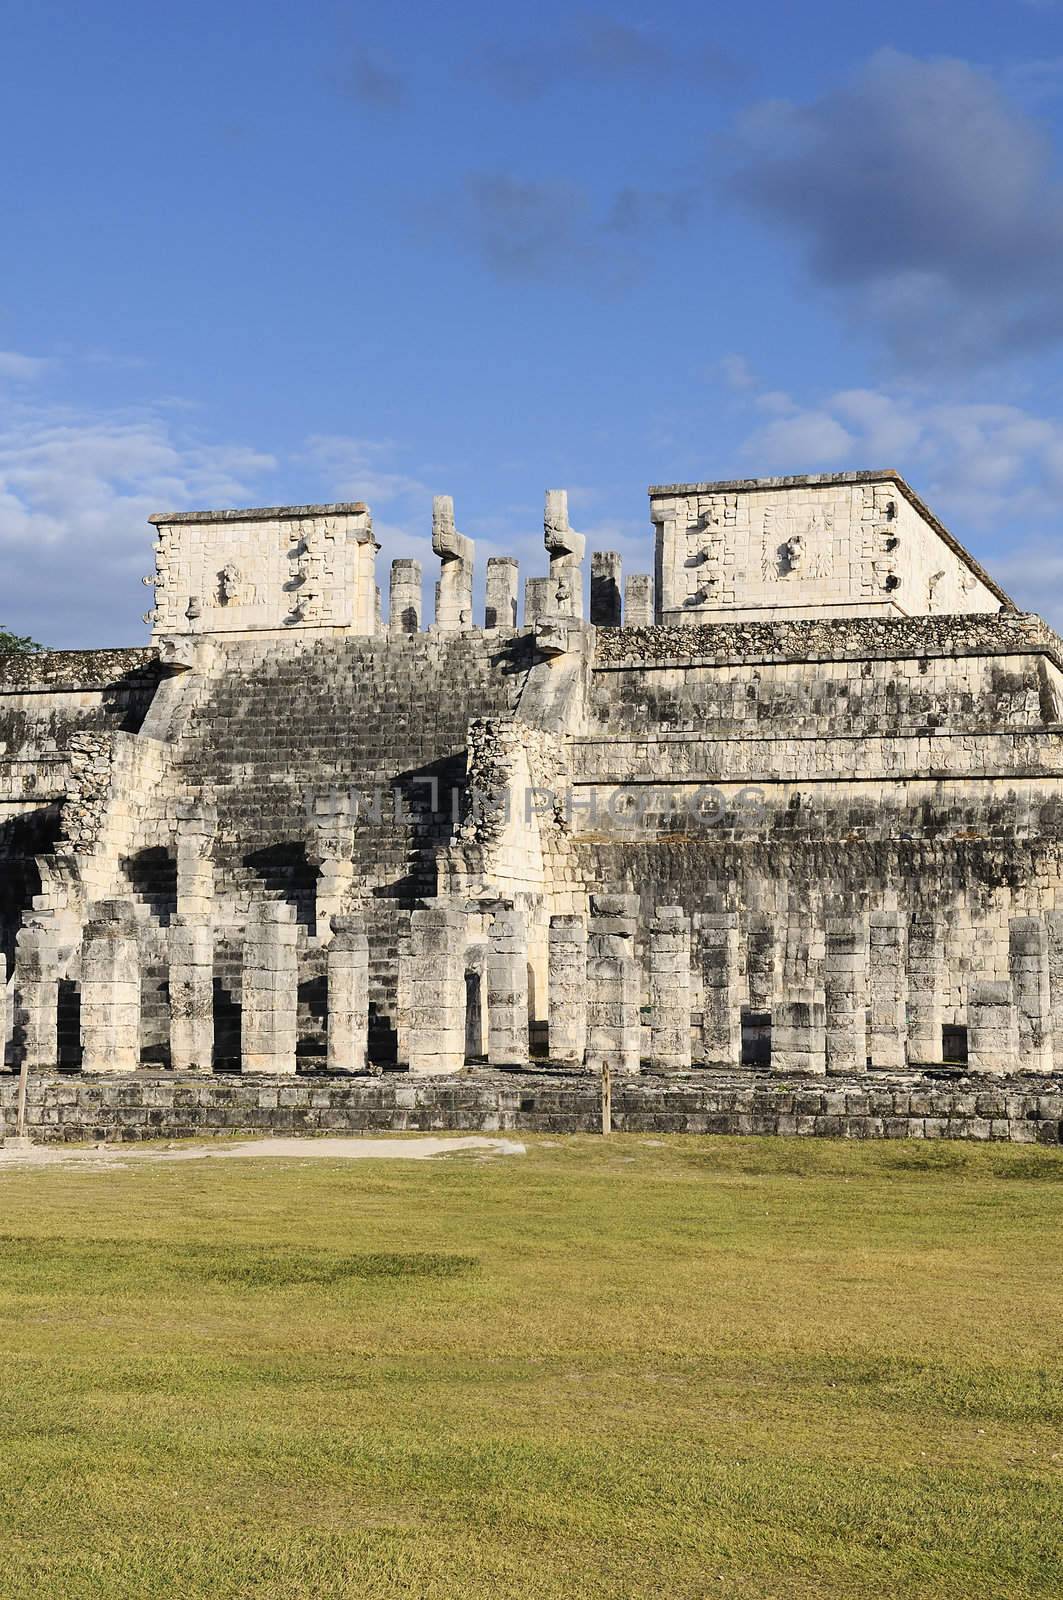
{"points": [[924, 198], [21, 368], [372, 80], [592, 48]]}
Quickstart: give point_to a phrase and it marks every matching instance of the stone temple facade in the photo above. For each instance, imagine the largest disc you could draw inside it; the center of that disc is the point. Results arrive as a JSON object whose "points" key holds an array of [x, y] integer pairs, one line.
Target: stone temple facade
{"points": [[792, 803]]}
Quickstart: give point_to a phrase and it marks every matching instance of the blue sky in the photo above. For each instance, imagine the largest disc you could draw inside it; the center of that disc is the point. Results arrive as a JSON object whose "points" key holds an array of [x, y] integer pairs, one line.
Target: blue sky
{"points": [[293, 253]]}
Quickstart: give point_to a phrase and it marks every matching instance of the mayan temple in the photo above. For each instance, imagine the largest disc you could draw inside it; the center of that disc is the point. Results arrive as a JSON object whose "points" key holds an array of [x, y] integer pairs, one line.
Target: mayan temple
{"points": [[787, 808]]}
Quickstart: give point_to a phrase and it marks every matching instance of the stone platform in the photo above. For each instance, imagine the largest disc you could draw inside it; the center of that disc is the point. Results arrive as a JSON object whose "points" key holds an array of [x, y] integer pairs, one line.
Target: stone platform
{"points": [[65, 1107]]}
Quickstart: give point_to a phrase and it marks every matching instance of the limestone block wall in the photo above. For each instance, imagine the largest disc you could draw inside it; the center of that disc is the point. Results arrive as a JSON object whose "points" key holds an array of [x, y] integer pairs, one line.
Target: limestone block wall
{"points": [[816, 546], [280, 567]]}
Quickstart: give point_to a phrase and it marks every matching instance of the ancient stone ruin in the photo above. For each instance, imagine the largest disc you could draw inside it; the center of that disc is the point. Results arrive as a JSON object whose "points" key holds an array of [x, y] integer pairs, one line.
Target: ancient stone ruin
{"points": [[792, 806]]}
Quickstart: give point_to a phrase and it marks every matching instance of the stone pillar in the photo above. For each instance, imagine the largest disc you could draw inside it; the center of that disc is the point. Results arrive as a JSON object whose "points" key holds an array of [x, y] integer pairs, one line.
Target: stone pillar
{"points": [[565, 549], [567, 990], [1028, 962], [196, 829], [454, 591], [110, 990], [670, 990], [721, 982], [638, 600], [992, 1029], [926, 989], [404, 614], [762, 962], [347, 967], [5, 1010], [37, 996], [191, 983], [799, 1033], [434, 991], [476, 959], [331, 850], [605, 588], [270, 990], [888, 1017], [1054, 925], [613, 1019], [845, 980], [503, 577], [507, 988], [538, 600]]}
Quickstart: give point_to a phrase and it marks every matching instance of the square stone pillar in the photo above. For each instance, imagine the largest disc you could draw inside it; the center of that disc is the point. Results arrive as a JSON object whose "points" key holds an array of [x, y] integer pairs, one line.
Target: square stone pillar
{"points": [[567, 990], [5, 1010], [992, 1029], [347, 968], [638, 600], [503, 578], [799, 1033], [434, 991], [1054, 927], [191, 985], [762, 962], [1028, 962], [196, 830], [538, 600], [845, 982], [507, 988], [926, 989], [613, 990], [110, 990], [670, 990], [37, 996], [605, 588], [721, 984], [270, 990], [404, 612], [888, 1020]]}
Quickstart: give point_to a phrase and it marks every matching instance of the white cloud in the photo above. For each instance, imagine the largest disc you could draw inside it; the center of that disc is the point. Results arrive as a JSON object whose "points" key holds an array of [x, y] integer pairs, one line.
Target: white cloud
{"points": [[992, 471], [21, 368], [75, 495]]}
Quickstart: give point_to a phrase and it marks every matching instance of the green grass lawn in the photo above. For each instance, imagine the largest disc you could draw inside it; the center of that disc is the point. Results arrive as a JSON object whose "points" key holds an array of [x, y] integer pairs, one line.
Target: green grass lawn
{"points": [[627, 1367]]}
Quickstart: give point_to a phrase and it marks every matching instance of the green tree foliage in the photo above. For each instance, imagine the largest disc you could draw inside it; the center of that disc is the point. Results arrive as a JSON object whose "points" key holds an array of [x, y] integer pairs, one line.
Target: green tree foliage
{"points": [[17, 641]]}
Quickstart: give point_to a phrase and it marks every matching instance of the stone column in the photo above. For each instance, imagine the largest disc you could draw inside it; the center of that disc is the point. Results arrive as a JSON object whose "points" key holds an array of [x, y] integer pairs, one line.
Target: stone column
{"points": [[191, 983], [331, 850], [270, 990], [565, 549], [1054, 925], [347, 968], [845, 980], [670, 990], [476, 958], [538, 600], [434, 991], [613, 984], [37, 996], [5, 1011], [110, 990], [605, 588], [507, 988], [799, 1033], [926, 988], [1028, 962], [888, 1020], [404, 614], [721, 980], [638, 600], [196, 830], [762, 962], [503, 576], [992, 1029], [454, 591], [567, 990]]}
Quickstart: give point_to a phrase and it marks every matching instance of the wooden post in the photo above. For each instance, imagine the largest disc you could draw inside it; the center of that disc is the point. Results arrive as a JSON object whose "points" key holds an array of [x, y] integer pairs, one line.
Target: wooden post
{"points": [[607, 1099]]}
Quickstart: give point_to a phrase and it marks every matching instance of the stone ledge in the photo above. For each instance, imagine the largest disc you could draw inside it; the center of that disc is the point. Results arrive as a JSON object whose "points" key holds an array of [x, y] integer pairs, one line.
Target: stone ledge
{"points": [[130, 1107]]}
